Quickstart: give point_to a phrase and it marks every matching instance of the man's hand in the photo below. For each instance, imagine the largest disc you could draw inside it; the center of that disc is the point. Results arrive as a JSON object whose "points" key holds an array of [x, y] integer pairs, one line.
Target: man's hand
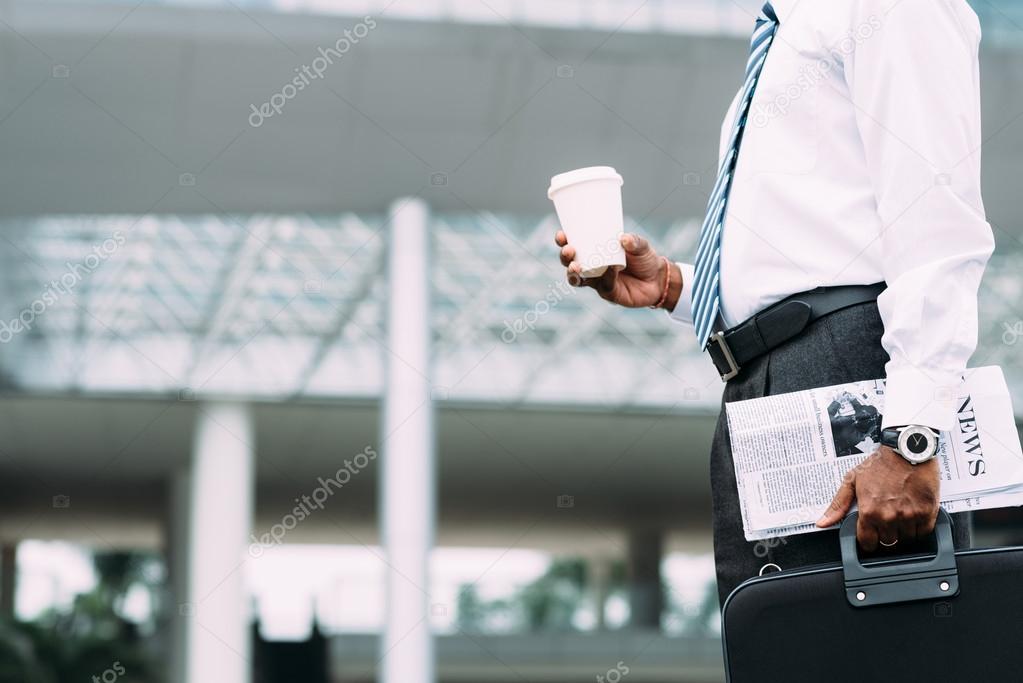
{"points": [[898, 501], [639, 284]]}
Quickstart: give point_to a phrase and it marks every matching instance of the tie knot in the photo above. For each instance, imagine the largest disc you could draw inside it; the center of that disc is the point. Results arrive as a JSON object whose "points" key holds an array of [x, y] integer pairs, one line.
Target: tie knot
{"points": [[768, 14]]}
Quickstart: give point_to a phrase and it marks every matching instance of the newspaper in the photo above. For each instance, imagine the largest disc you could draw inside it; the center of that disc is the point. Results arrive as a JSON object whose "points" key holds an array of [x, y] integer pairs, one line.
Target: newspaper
{"points": [[792, 450]]}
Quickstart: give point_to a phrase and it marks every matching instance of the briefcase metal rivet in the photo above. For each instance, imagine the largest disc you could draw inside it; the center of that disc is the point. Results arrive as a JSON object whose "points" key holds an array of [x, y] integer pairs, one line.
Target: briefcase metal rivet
{"points": [[861, 596], [944, 585]]}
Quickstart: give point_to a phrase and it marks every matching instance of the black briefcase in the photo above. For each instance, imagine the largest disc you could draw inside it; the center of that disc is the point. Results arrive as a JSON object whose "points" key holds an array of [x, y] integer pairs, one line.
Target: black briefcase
{"points": [[947, 617]]}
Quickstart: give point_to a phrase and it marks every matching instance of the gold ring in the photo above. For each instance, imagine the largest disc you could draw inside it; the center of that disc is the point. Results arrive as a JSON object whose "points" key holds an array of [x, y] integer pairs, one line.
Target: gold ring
{"points": [[888, 545]]}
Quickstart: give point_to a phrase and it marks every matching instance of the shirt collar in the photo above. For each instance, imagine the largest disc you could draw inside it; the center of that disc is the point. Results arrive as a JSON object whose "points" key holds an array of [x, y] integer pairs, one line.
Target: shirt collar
{"points": [[784, 8]]}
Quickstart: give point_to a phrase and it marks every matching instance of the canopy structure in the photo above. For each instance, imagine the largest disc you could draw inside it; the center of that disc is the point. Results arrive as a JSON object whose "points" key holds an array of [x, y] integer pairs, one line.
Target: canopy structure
{"points": [[276, 307]]}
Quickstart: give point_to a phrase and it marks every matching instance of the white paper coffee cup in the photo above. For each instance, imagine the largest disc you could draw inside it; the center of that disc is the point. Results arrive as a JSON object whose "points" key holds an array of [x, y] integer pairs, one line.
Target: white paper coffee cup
{"points": [[589, 206]]}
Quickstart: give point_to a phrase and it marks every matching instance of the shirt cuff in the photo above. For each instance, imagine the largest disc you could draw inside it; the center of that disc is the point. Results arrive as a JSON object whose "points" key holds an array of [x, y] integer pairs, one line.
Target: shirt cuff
{"points": [[683, 311], [914, 397]]}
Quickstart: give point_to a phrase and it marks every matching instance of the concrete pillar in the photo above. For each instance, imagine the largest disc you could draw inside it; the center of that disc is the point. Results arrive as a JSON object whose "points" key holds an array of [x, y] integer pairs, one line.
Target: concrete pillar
{"points": [[217, 640], [8, 578], [600, 569], [176, 529], [407, 479], [646, 597]]}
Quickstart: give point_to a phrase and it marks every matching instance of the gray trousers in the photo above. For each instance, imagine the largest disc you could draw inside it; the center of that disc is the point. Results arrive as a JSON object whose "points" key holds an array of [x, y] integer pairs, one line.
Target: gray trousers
{"points": [[842, 347]]}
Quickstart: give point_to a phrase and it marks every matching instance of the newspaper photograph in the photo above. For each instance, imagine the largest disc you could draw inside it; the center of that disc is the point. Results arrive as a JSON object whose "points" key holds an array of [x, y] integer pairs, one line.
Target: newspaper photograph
{"points": [[792, 450]]}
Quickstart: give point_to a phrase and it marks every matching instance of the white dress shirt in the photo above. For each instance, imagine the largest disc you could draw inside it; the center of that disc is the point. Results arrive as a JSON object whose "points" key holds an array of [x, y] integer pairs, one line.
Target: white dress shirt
{"points": [[861, 164]]}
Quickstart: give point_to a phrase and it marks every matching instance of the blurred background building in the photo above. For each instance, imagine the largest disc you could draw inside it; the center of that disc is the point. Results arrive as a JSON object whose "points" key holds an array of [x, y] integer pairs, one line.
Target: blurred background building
{"points": [[291, 385]]}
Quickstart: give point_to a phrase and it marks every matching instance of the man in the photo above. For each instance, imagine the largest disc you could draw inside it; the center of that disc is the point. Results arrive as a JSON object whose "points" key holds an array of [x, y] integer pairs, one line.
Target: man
{"points": [[850, 161], [854, 426]]}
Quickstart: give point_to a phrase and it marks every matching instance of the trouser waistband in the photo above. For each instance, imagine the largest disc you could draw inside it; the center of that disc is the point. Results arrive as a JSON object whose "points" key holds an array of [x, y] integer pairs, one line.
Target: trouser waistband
{"points": [[780, 322]]}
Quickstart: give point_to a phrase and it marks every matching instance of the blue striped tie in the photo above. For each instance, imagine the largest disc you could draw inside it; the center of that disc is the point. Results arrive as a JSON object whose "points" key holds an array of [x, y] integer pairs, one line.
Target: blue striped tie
{"points": [[706, 300]]}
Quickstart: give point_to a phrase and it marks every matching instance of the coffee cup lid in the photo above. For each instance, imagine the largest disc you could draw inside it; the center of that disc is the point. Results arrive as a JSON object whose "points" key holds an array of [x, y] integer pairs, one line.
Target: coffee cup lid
{"points": [[582, 175]]}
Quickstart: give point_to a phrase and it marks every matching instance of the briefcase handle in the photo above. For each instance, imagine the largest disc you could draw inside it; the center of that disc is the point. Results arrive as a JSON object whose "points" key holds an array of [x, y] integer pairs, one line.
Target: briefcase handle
{"points": [[892, 581]]}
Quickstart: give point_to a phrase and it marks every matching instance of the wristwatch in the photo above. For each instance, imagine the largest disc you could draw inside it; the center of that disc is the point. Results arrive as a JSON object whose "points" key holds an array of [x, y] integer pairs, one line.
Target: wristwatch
{"points": [[915, 443]]}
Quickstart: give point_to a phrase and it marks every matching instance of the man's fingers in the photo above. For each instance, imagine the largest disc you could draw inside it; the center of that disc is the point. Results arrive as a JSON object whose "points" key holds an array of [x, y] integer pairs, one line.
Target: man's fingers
{"points": [[888, 535], [560, 238], [888, 524], [840, 504], [575, 275], [605, 284], [926, 527], [576, 279], [907, 531], [567, 255], [634, 244], [866, 534]]}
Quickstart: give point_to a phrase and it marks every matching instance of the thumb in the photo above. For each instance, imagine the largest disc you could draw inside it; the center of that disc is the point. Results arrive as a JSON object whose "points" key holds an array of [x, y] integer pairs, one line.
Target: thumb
{"points": [[635, 245], [840, 504]]}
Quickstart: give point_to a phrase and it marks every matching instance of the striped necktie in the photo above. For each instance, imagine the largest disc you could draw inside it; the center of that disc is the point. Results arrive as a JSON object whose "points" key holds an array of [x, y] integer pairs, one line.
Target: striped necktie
{"points": [[706, 302]]}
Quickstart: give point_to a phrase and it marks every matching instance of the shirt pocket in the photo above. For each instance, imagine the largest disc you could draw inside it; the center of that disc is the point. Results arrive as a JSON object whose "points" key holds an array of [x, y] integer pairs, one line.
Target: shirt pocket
{"points": [[783, 128]]}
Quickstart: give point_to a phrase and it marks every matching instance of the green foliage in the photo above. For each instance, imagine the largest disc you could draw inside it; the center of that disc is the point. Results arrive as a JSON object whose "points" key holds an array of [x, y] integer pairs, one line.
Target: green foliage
{"points": [[548, 604], [87, 639], [476, 615], [18, 660], [701, 623], [551, 601]]}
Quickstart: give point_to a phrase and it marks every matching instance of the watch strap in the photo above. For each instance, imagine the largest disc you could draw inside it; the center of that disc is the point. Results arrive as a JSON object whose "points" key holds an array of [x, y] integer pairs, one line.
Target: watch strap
{"points": [[893, 438], [890, 438]]}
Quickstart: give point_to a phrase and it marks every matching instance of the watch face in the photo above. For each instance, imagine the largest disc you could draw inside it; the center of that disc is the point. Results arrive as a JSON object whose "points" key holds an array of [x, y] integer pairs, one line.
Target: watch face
{"points": [[917, 444]]}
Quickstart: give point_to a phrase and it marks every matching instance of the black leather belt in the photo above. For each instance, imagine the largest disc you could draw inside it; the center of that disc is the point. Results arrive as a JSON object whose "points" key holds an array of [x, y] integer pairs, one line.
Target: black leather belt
{"points": [[780, 322]]}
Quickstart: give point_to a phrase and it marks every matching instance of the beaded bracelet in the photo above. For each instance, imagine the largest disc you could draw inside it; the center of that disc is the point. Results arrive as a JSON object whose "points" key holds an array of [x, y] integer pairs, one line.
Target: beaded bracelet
{"points": [[667, 282]]}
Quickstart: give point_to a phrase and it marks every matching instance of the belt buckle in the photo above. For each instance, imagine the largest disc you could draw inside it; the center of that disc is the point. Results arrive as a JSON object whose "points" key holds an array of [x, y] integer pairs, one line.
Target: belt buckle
{"points": [[733, 367]]}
